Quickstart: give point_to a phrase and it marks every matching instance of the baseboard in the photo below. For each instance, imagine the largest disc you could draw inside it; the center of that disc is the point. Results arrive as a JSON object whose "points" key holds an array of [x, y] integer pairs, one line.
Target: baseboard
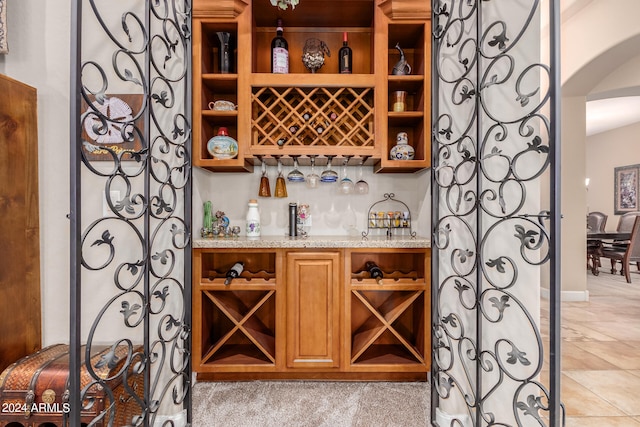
{"points": [[567, 296]]}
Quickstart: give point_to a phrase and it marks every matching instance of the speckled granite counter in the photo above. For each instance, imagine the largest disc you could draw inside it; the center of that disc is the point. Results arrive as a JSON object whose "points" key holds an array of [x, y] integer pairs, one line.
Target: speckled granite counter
{"points": [[312, 242]]}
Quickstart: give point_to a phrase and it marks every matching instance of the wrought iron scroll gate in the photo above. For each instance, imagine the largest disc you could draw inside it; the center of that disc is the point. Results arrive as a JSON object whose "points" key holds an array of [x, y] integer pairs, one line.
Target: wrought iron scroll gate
{"points": [[495, 210], [130, 213]]}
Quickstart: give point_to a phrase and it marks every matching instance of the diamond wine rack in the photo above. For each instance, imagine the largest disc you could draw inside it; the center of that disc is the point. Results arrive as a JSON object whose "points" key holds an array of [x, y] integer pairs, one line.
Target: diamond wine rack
{"points": [[319, 119]]}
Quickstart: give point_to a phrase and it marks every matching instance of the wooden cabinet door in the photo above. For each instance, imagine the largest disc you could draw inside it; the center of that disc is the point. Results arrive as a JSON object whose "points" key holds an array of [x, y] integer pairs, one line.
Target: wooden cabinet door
{"points": [[313, 310], [20, 330]]}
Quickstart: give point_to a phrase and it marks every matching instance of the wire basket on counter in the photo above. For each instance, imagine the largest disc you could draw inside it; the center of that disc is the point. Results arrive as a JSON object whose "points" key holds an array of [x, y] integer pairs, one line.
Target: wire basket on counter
{"points": [[389, 214]]}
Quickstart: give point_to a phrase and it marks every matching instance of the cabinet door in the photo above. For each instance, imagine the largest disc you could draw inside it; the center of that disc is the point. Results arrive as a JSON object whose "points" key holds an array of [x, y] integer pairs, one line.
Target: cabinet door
{"points": [[313, 310]]}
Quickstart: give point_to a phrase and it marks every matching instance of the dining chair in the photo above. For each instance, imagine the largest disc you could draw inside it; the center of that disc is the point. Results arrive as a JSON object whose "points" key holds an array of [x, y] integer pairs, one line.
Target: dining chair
{"points": [[625, 223], [596, 221], [625, 255]]}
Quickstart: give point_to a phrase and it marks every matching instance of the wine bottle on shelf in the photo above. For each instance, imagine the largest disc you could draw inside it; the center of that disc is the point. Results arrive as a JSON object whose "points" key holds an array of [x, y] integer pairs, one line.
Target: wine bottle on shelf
{"points": [[374, 271], [279, 52], [345, 56], [234, 272]]}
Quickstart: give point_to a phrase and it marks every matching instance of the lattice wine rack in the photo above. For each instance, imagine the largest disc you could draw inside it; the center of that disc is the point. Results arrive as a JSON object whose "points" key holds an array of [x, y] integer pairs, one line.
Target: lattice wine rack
{"points": [[313, 118]]}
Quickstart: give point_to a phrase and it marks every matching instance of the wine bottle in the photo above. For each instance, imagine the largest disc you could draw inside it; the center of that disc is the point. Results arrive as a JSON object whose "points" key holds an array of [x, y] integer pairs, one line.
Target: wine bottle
{"points": [[279, 52], [374, 271], [234, 272], [345, 56]]}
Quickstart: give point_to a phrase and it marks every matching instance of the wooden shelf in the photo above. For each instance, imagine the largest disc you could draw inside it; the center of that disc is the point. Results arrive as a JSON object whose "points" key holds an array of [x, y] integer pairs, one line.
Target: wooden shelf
{"points": [[387, 354], [238, 354], [308, 80]]}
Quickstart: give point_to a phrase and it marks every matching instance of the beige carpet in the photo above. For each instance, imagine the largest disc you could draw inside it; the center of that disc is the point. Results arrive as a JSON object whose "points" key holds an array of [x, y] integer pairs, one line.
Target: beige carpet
{"points": [[312, 404]]}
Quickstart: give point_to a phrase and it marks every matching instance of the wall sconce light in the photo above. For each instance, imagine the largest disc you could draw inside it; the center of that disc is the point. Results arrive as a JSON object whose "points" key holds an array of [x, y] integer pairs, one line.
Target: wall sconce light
{"points": [[586, 182]]}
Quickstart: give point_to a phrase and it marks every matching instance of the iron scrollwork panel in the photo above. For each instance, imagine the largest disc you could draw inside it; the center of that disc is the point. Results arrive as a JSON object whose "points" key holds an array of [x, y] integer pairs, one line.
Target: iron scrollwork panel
{"points": [[492, 159], [135, 172]]}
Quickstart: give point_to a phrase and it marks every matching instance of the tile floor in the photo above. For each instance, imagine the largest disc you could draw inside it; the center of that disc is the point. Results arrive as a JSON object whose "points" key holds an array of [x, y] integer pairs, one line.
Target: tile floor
{"points": [[601, 354]]}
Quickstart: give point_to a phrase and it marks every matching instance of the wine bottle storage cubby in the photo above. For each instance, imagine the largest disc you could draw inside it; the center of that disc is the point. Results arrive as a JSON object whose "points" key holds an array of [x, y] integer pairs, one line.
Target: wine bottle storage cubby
{"points": [[387, 327], [397, 267], [259, 267], [313, 19], [238, 327], [318, 119]]}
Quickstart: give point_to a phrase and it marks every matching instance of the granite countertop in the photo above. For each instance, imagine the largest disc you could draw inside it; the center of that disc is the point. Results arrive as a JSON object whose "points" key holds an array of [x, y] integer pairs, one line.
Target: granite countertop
{"points": [[286, 242]]}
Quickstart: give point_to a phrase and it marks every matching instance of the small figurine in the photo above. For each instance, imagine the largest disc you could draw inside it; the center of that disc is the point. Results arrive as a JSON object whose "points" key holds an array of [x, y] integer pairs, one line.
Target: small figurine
{"points": [[402, 67]]}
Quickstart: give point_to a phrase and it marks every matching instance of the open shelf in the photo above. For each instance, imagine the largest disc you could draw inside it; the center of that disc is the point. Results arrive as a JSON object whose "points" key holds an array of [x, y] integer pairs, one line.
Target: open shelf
{"points": [[411, 38], [240, 321], [398, 267], [259, 268], [390, 321]]}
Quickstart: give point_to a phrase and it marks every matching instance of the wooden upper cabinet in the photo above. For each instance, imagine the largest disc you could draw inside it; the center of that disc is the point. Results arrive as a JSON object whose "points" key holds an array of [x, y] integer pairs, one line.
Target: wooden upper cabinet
{"points": [[306, 114], [313, 309]]}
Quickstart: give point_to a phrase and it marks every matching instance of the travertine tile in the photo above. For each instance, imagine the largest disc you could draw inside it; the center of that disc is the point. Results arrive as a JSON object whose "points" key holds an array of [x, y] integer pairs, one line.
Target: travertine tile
{"points": [[602, 422], [579, 400], [581, 332], [617, 353], [619, 388], [575, 358], [620, 330]]}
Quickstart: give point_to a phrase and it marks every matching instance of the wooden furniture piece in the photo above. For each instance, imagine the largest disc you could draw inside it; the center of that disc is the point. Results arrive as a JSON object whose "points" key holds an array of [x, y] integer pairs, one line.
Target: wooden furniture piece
{"points": [[311, 313], [20, 329], [596, 222], [313, 309], [625, 255], [34, 390], [324, 114], [597, 240]]}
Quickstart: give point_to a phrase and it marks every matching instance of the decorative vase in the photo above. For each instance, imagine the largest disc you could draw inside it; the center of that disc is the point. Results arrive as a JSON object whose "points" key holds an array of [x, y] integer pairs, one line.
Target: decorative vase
{"points": [[225, 52], [402, 150], [402, 67], [313, 54], [222, 146]]}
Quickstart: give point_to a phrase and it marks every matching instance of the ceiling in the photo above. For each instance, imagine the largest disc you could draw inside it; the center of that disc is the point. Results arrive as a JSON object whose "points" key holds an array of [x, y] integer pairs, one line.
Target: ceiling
{"points": [[611, 113]]}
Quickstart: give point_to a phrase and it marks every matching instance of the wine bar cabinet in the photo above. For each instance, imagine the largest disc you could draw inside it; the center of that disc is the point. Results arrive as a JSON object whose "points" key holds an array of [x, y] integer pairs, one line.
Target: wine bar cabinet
{"points": [[311, 313], [321, 114]]}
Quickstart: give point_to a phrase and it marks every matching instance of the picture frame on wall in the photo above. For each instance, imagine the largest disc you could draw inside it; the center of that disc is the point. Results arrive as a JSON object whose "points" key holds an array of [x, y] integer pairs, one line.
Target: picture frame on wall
{"points": [[626, 183], [122, 118]]}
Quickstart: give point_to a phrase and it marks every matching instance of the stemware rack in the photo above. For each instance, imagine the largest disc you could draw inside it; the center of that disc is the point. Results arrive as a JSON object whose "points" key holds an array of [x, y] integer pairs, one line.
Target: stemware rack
{"points": [[397, 215]]}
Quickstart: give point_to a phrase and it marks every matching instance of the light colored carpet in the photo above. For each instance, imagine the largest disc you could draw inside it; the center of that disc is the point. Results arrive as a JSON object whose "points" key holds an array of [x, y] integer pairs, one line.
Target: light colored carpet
{"points": [[310, 404]]}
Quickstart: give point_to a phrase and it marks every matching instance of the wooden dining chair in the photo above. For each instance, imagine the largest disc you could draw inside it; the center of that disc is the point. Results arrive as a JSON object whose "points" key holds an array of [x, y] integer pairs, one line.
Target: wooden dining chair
{"points": [[625, 255]]}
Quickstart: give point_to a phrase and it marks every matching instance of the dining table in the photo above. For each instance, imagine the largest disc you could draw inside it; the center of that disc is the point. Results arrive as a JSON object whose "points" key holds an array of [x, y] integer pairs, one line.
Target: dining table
{"points": [[596, 238]]}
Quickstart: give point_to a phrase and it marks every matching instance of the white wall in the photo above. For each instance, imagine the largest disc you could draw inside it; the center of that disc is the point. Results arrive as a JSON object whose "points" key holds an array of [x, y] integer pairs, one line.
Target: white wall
{"points": [[606, 151], [38, 37], [588, 57], [230, 192]]}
